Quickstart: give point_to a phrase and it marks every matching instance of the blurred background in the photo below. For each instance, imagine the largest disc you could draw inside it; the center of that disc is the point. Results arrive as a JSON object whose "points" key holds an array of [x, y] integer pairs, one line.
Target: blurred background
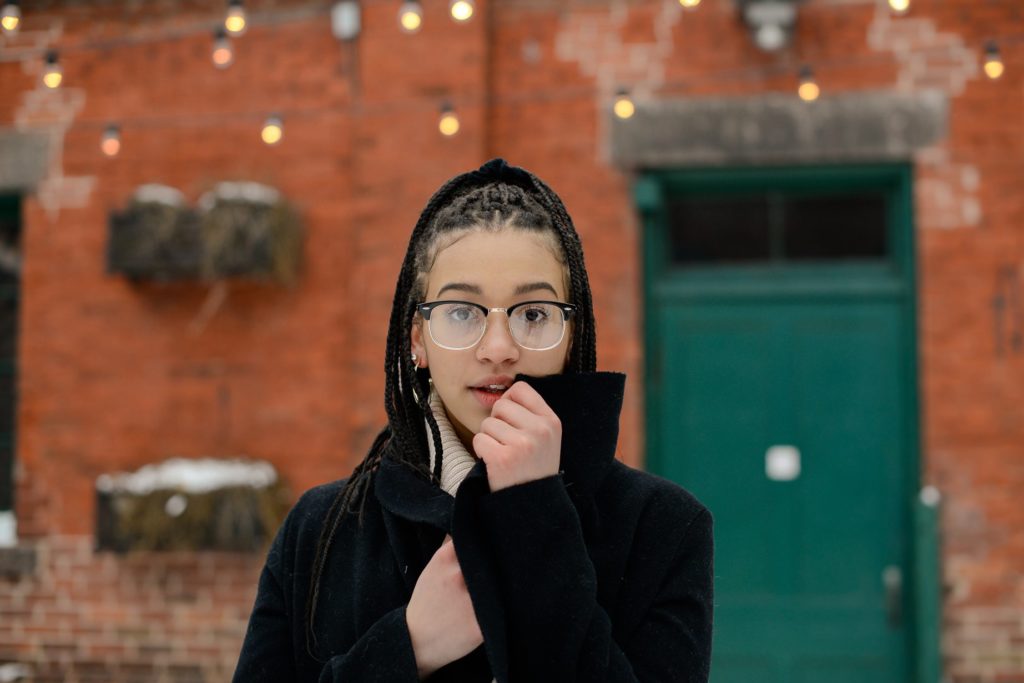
{"points": [[803, 227]]}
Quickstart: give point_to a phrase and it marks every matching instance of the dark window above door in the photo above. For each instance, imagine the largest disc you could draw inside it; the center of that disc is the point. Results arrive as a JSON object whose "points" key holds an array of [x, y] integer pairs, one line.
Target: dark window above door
{"points": [[777, 227]]}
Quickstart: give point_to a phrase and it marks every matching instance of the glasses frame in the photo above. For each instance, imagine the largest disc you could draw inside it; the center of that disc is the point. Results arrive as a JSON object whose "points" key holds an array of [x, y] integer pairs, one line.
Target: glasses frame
{"points": [[568, 312]]}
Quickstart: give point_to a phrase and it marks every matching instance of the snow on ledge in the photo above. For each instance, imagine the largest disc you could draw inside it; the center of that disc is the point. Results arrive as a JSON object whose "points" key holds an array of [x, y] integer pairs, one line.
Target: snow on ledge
{"points": [[159, 194], [190, 475], [239, 191]]}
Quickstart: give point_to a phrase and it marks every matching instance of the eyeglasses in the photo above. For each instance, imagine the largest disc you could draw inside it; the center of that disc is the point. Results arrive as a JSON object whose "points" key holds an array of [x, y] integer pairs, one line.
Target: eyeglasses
{"points": [[534, 325]]}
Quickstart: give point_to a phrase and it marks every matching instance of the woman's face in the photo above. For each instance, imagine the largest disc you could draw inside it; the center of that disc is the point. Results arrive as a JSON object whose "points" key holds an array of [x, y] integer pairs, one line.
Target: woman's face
{"points": [[495, 269]]}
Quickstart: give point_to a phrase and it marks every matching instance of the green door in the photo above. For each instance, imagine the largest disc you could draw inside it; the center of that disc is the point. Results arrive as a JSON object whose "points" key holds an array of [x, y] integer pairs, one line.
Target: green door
{"points": [[781, 392]]}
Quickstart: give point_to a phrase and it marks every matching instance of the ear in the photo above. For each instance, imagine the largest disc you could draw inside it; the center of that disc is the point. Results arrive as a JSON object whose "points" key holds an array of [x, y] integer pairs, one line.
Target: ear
{"points": [[416, 339]]}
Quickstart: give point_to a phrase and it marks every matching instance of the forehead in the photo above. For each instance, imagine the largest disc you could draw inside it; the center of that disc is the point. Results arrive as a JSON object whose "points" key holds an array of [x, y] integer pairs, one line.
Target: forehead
{"points": [[497, 262]]}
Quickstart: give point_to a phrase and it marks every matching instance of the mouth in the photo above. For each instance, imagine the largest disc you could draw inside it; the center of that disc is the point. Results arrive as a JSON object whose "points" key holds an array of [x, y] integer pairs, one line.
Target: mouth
{"points": [[497, 389], [491, 389]]}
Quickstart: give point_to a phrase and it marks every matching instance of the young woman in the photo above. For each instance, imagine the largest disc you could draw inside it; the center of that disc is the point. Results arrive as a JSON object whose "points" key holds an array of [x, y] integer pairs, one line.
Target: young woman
{"points": [[490, 533]]}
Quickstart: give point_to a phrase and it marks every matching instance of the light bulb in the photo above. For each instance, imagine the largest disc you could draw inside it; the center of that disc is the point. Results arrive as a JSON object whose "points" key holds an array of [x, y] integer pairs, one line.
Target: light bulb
{"points": [[410, 17], [899, 6], [623, 107], [235, 22], [111, 142], [53, 75], [449, 123], [994, 67], [273, 130], [689, 4], [461, 10], [808, 90], [10, 17], [222, 54]]}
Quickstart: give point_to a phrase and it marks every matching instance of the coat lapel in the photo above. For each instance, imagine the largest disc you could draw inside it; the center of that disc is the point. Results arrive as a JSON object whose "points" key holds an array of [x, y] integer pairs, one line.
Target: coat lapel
{"points": [[417, 515]]}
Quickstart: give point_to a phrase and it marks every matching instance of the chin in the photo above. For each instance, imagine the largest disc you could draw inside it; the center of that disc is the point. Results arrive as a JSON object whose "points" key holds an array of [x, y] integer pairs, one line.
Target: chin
{"points": [[473, 426]]}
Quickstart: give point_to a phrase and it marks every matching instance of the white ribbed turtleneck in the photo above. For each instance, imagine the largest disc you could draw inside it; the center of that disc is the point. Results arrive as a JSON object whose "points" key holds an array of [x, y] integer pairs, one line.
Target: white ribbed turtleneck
{"points": [[456, 461]]}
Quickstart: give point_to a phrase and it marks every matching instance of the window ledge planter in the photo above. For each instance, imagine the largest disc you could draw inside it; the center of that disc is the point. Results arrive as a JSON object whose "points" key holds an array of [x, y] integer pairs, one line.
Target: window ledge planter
{"points": [[239, 230], [190, 504]]}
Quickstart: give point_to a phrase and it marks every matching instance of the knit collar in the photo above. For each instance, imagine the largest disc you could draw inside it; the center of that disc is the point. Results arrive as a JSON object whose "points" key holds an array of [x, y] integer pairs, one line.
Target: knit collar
{"points": [[456, 460], [588, 406]]}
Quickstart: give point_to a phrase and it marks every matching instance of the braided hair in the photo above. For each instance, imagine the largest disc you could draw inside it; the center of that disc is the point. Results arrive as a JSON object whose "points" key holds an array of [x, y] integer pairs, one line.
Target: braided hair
{"points": [[494, 197]]}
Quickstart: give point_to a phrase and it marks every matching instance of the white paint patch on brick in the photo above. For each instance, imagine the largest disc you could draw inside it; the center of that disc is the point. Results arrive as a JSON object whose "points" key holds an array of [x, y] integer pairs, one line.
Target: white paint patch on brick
{"points": [[928, 59], [946, 192], [59, 191], [53, 112], [932, 60], [593, 40]]}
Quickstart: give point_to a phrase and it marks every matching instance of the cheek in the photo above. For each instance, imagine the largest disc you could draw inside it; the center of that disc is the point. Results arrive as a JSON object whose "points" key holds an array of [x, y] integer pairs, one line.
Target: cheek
{"points": [[448, 368]]}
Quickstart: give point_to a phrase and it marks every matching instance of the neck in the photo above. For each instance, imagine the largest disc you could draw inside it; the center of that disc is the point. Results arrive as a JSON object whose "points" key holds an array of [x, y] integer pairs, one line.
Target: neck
{"points": [[465, 436]]}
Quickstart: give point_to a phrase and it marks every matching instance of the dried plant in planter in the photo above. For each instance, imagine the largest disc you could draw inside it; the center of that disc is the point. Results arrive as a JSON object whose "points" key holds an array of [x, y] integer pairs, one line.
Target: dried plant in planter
{"points": [[180, 504], [249, 230], [156, 236]]}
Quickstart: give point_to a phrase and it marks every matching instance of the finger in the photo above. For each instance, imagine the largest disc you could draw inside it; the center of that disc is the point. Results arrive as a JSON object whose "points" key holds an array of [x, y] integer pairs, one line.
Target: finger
{"points": [[513, 413], [485, 446], [445, 550], [525, 395], [501, 431]]}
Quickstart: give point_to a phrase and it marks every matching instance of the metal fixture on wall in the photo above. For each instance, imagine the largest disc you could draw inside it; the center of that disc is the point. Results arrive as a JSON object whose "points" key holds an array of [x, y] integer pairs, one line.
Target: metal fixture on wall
{"points": [[770, 22], [345, 22]]}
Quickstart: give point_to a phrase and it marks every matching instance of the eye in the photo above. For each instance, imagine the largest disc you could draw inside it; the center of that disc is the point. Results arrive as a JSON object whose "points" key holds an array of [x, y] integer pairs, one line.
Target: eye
{"points": [[535, 315], [460, 313]]}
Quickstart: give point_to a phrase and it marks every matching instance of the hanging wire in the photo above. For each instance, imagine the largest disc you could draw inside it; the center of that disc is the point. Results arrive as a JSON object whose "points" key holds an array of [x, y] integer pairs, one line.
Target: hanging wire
{"points": [[748, 73]]}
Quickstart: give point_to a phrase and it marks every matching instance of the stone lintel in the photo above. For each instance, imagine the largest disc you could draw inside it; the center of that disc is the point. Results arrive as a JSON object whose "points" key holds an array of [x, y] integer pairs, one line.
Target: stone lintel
{"points": [[24, 159], [779, 129]]}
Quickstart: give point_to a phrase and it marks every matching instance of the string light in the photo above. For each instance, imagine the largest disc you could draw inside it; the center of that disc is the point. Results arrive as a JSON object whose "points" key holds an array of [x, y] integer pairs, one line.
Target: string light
{"points": [[54, 74], [235, 22], [993, 61], [111, 142], [461, 10], [410, 17], [899, 6], [623, 107], [10, 17], [222, 54], [273, 130], [449, 122], [808, 90]]}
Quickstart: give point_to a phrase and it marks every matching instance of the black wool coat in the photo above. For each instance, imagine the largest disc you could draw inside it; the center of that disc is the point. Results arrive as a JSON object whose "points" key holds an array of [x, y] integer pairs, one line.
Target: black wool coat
{"points": [[599, 573]]}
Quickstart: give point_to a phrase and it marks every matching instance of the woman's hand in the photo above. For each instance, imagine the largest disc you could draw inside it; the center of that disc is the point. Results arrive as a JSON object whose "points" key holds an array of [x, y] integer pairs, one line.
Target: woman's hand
{"points": [[440, 617], [522, 439]]}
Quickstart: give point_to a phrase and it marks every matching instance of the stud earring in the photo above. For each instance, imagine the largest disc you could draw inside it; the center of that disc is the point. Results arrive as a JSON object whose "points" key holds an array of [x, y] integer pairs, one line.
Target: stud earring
{"points": [[414, 359]]}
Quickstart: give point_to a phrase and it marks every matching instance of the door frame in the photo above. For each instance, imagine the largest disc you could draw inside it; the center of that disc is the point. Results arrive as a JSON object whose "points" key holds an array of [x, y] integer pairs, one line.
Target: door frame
{"points": [[651, 190]]}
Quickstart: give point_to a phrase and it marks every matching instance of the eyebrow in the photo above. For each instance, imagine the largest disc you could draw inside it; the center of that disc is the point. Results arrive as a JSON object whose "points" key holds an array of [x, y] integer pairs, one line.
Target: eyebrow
{"points": [[475, 289]]}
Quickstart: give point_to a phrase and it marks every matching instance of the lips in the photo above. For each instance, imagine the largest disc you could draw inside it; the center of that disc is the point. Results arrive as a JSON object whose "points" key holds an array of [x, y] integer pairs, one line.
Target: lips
{"points": [[489, 389]]}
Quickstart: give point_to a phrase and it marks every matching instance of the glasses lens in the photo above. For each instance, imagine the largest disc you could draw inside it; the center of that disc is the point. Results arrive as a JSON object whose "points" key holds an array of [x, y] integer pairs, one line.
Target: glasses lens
{"points": [[537, 325], [456, 325]]}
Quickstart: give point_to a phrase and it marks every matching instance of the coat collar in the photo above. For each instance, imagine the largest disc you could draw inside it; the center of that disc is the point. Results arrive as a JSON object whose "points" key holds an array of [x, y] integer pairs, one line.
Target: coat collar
{"points": [[588, 405]]}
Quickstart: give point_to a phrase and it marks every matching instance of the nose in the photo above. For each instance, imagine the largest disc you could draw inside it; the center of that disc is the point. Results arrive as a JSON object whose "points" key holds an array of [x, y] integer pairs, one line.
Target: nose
{"points": [[497, 345]]}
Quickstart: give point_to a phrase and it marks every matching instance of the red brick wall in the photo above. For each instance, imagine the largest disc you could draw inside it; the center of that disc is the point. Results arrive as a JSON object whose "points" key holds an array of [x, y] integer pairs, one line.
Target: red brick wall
{"points": [[113, 375], [87, 616]]}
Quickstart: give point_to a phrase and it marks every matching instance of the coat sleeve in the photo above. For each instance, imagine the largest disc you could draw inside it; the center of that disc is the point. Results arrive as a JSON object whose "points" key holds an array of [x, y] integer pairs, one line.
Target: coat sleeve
{"points": [[557, 631], [383, 653]]}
